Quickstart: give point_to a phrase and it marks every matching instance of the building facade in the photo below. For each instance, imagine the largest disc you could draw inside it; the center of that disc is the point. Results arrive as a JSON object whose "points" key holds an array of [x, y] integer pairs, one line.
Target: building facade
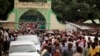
{"points": [[20, 8]]}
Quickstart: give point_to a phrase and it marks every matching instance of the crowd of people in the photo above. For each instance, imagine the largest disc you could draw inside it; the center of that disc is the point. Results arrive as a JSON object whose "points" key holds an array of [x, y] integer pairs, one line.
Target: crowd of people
{"points": [[62, 43], [8, 35], [54, 42], [4, 41], [31, 25]]}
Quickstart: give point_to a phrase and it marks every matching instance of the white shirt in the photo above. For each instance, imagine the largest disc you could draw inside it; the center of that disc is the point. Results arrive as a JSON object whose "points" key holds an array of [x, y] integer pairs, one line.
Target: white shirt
{"points": [[77, 54], [6, 36]]}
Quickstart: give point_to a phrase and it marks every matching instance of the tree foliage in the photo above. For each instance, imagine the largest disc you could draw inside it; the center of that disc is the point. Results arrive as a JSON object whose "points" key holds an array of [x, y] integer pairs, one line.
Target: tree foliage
{"points": [[76, 10], [6, 6]]}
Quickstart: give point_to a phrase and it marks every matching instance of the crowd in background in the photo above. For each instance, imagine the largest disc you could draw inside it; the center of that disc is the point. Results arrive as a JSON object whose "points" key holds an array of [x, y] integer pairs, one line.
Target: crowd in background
{"points": [[54, 42], [30, 25], [62, 43]]}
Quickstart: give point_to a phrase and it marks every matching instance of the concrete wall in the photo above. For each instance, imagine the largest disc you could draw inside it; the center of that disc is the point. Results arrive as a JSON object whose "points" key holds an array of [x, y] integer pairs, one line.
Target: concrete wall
{"points": [[9, 25], [11, 17], [51, 21], [10, 22], [54, 24]]}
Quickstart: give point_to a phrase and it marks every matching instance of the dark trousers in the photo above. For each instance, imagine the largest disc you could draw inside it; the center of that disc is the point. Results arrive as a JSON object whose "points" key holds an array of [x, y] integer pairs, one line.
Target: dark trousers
{"points": [[6, 46], [0, 52]]}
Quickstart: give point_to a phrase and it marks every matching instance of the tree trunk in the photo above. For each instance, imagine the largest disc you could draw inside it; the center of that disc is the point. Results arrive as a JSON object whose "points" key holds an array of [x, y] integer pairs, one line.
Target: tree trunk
{"points": [[93, 21], [99, 20]]}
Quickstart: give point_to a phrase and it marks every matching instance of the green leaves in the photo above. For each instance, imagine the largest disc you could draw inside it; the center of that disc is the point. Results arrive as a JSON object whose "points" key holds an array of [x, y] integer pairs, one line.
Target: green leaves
{"points": [[4, 4], [76, 10]]}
